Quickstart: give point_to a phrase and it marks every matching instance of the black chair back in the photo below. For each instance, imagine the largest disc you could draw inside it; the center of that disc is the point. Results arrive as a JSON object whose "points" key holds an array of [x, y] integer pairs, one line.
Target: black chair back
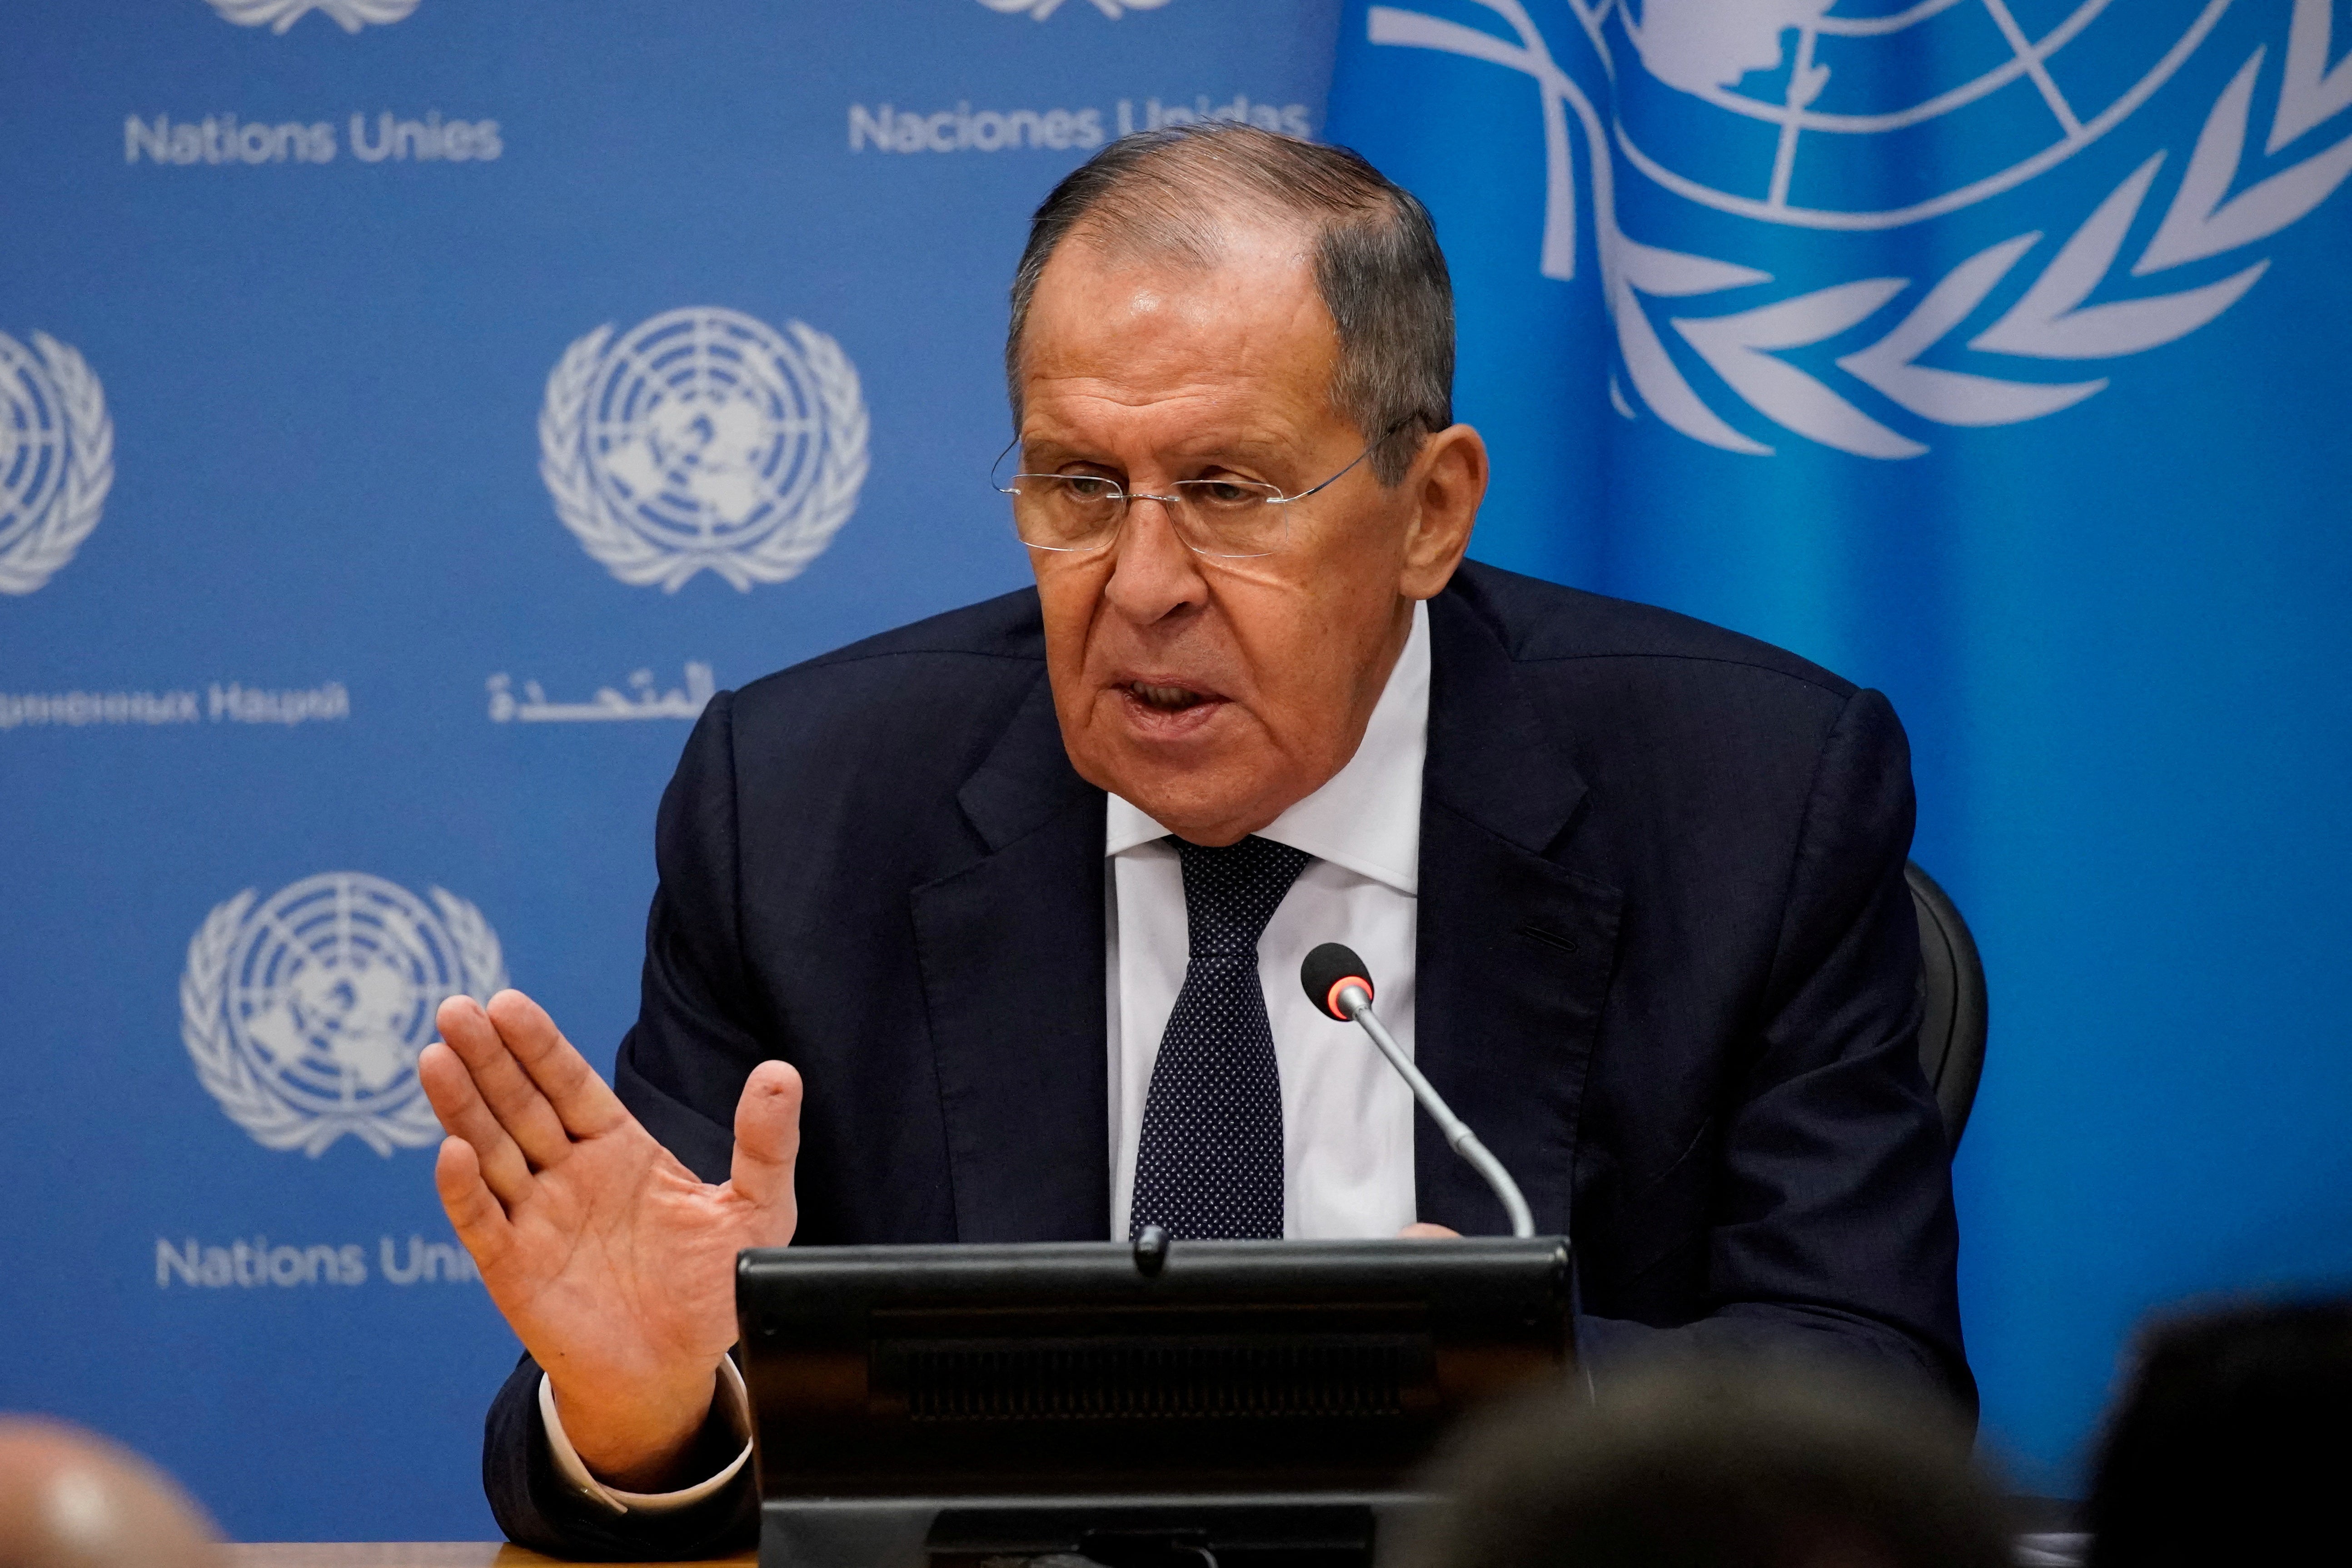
{"points": [[1952, 996]]}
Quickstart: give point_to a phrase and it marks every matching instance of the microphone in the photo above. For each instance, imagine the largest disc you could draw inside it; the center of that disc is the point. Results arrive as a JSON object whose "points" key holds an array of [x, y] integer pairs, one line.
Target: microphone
{"points": [[1338, 983]]}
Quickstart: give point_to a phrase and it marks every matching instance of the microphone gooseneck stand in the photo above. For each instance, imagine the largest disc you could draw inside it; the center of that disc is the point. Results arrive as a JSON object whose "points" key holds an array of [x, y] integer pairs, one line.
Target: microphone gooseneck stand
{"points": [[1338, 983]]}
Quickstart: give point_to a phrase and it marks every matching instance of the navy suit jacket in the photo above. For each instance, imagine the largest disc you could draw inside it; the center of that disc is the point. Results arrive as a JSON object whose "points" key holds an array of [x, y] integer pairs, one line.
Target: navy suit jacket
{"points": [[1667, 967]]}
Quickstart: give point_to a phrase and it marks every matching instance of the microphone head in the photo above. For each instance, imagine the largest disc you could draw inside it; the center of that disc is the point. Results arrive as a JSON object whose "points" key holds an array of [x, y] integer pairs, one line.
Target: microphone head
{"points": [[1327, 970]]}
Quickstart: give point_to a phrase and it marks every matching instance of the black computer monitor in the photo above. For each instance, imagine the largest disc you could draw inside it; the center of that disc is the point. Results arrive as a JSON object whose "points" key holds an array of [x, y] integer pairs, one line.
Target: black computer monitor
{"points": [[1259, 1400]]}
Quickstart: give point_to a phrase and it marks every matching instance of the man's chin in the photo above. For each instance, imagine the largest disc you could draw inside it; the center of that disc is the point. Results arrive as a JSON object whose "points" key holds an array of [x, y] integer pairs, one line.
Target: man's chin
{"points": [[1176, 768]]}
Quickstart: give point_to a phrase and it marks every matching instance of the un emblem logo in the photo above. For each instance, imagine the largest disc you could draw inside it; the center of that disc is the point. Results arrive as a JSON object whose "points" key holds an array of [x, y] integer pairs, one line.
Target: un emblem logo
{"points": [[1038, 10], [280, 14], [1843, 140], [304, 1011], [704, 440], [56, 459]]}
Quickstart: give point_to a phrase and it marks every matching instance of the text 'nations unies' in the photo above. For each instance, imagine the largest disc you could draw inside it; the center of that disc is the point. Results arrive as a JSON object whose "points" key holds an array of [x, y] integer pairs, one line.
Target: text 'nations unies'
{"points": [[221, 139], [256, 1264]]}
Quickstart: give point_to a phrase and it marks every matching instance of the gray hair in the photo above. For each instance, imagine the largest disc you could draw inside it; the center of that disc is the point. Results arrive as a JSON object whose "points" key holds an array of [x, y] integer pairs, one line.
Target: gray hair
{"points": [[1377, 263]]}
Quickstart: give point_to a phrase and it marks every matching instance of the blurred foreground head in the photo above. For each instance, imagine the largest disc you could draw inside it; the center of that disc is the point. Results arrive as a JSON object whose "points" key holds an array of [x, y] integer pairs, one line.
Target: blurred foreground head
{"points": [[71, 1500], [2230, 1442], [1718, 1465]]}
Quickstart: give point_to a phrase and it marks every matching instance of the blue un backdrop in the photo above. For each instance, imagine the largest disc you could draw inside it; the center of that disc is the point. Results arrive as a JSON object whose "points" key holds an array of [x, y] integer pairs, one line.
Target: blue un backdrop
{"points": [[410, 410]]}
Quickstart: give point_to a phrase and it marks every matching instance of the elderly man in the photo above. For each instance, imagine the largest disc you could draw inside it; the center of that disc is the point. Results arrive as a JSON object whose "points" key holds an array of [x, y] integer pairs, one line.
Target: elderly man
{"points": [[986, 929]]}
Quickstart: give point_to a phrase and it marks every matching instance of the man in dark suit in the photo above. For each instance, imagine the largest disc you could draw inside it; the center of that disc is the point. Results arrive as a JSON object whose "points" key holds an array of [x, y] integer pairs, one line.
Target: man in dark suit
{"points": [[959, 929]]}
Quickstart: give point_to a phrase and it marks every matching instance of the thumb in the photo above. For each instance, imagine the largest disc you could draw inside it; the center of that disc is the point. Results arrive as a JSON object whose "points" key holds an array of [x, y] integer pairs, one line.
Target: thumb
{"points": [[767, 1144]]}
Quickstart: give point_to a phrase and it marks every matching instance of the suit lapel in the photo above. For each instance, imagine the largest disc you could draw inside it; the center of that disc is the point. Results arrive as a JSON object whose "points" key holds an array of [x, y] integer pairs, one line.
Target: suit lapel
{"points": [[1515, 945], [1010, 947]]}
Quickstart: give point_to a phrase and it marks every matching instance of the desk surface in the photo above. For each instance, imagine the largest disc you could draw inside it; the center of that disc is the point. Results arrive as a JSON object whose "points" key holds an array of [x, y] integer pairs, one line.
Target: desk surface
{"points": [[2036, 1551], [407, 1555]]}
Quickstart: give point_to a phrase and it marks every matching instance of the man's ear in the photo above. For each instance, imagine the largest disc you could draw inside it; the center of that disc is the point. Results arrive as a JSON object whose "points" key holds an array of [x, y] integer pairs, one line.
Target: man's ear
{"points": [[1445, 484]]}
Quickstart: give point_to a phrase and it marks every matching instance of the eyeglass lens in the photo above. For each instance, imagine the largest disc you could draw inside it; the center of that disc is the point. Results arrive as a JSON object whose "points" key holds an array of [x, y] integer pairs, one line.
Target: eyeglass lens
{"points": [[1083, 511]]}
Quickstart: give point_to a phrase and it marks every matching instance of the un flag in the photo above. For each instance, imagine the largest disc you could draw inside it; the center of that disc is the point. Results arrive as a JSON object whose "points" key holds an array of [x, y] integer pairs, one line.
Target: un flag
{"points": [[1994, 352]]}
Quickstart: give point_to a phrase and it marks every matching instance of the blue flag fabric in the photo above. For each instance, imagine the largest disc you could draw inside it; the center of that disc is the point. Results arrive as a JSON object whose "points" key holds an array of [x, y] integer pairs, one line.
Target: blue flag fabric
{"points": [[1996, 353]]}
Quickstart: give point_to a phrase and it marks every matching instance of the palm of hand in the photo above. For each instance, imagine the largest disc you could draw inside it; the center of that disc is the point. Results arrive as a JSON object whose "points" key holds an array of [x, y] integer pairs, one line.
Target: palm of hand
{"points": [[623, 1262], [611, 1261]]}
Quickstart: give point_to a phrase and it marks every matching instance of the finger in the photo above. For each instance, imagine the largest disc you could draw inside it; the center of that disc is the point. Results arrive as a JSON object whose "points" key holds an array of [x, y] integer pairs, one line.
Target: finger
{"points": [[459, 1106], [586, 1104], [503, 1084], [767, 1144], [474, 1213], [1422, 1230]]}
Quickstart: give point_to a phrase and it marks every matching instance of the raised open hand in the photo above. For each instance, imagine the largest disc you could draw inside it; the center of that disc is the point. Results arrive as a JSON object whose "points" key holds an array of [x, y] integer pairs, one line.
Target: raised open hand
{"points": [[612, 1261]]}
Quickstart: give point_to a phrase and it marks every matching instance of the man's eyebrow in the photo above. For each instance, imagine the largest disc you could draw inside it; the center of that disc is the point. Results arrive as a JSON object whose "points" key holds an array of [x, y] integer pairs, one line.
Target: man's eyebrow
{"points": [[1249, 446], [1046, 448], [1253, 445]]}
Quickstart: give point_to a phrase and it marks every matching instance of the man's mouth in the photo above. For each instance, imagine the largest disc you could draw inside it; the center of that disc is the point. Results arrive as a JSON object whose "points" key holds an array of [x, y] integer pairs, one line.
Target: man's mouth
{"points": [[1166, 698], [1161, 710]]}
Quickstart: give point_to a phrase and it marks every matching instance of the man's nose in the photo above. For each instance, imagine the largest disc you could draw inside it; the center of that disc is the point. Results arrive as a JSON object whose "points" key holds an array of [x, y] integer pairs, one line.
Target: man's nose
{"points": [[1154, 571]]}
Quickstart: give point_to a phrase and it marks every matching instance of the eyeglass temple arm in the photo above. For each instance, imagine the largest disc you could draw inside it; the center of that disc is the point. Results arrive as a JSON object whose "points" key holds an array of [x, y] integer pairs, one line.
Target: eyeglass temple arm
{"points": [[1385, 437]]}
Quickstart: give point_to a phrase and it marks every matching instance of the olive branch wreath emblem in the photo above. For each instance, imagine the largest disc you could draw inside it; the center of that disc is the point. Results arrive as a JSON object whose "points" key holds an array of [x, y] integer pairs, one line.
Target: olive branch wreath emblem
{"points": [[80, 498], [1039, 10], [2053, 320], [280, 14], [777, 555], [250, 1098]]}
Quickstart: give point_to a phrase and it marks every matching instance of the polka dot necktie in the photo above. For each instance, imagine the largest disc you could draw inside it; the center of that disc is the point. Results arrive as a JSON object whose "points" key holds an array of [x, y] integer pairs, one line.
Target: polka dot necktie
{"points": [[1209, 1164]]}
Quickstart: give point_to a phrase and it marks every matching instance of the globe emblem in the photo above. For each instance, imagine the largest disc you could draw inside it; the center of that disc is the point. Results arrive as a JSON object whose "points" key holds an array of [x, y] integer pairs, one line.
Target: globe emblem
{"points": [[703, 440], [704, 431], [305, 1012], [33, 443], [332, 991], [1861, 115], [1813, 112]]}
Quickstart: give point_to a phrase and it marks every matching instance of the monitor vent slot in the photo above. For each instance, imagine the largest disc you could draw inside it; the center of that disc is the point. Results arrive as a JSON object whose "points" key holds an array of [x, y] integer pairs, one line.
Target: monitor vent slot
{"points": [[1204, 1378]]}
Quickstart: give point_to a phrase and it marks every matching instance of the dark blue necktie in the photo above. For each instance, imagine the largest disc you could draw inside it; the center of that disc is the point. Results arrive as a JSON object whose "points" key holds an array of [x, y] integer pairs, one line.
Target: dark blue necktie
{"points": [[1209, 1162]]}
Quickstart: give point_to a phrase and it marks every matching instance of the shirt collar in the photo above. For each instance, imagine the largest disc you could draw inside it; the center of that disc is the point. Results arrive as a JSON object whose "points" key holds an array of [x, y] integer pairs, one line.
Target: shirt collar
{"points": [[1367, 817]]}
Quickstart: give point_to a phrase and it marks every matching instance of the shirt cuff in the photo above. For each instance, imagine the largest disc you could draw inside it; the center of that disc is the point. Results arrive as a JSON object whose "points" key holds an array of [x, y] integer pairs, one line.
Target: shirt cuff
{"points": [[737, 1409]]}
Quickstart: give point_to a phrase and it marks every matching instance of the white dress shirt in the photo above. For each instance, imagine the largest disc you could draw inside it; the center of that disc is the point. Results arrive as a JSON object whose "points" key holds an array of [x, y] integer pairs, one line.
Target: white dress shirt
{"points": [[1347, 1118]]}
